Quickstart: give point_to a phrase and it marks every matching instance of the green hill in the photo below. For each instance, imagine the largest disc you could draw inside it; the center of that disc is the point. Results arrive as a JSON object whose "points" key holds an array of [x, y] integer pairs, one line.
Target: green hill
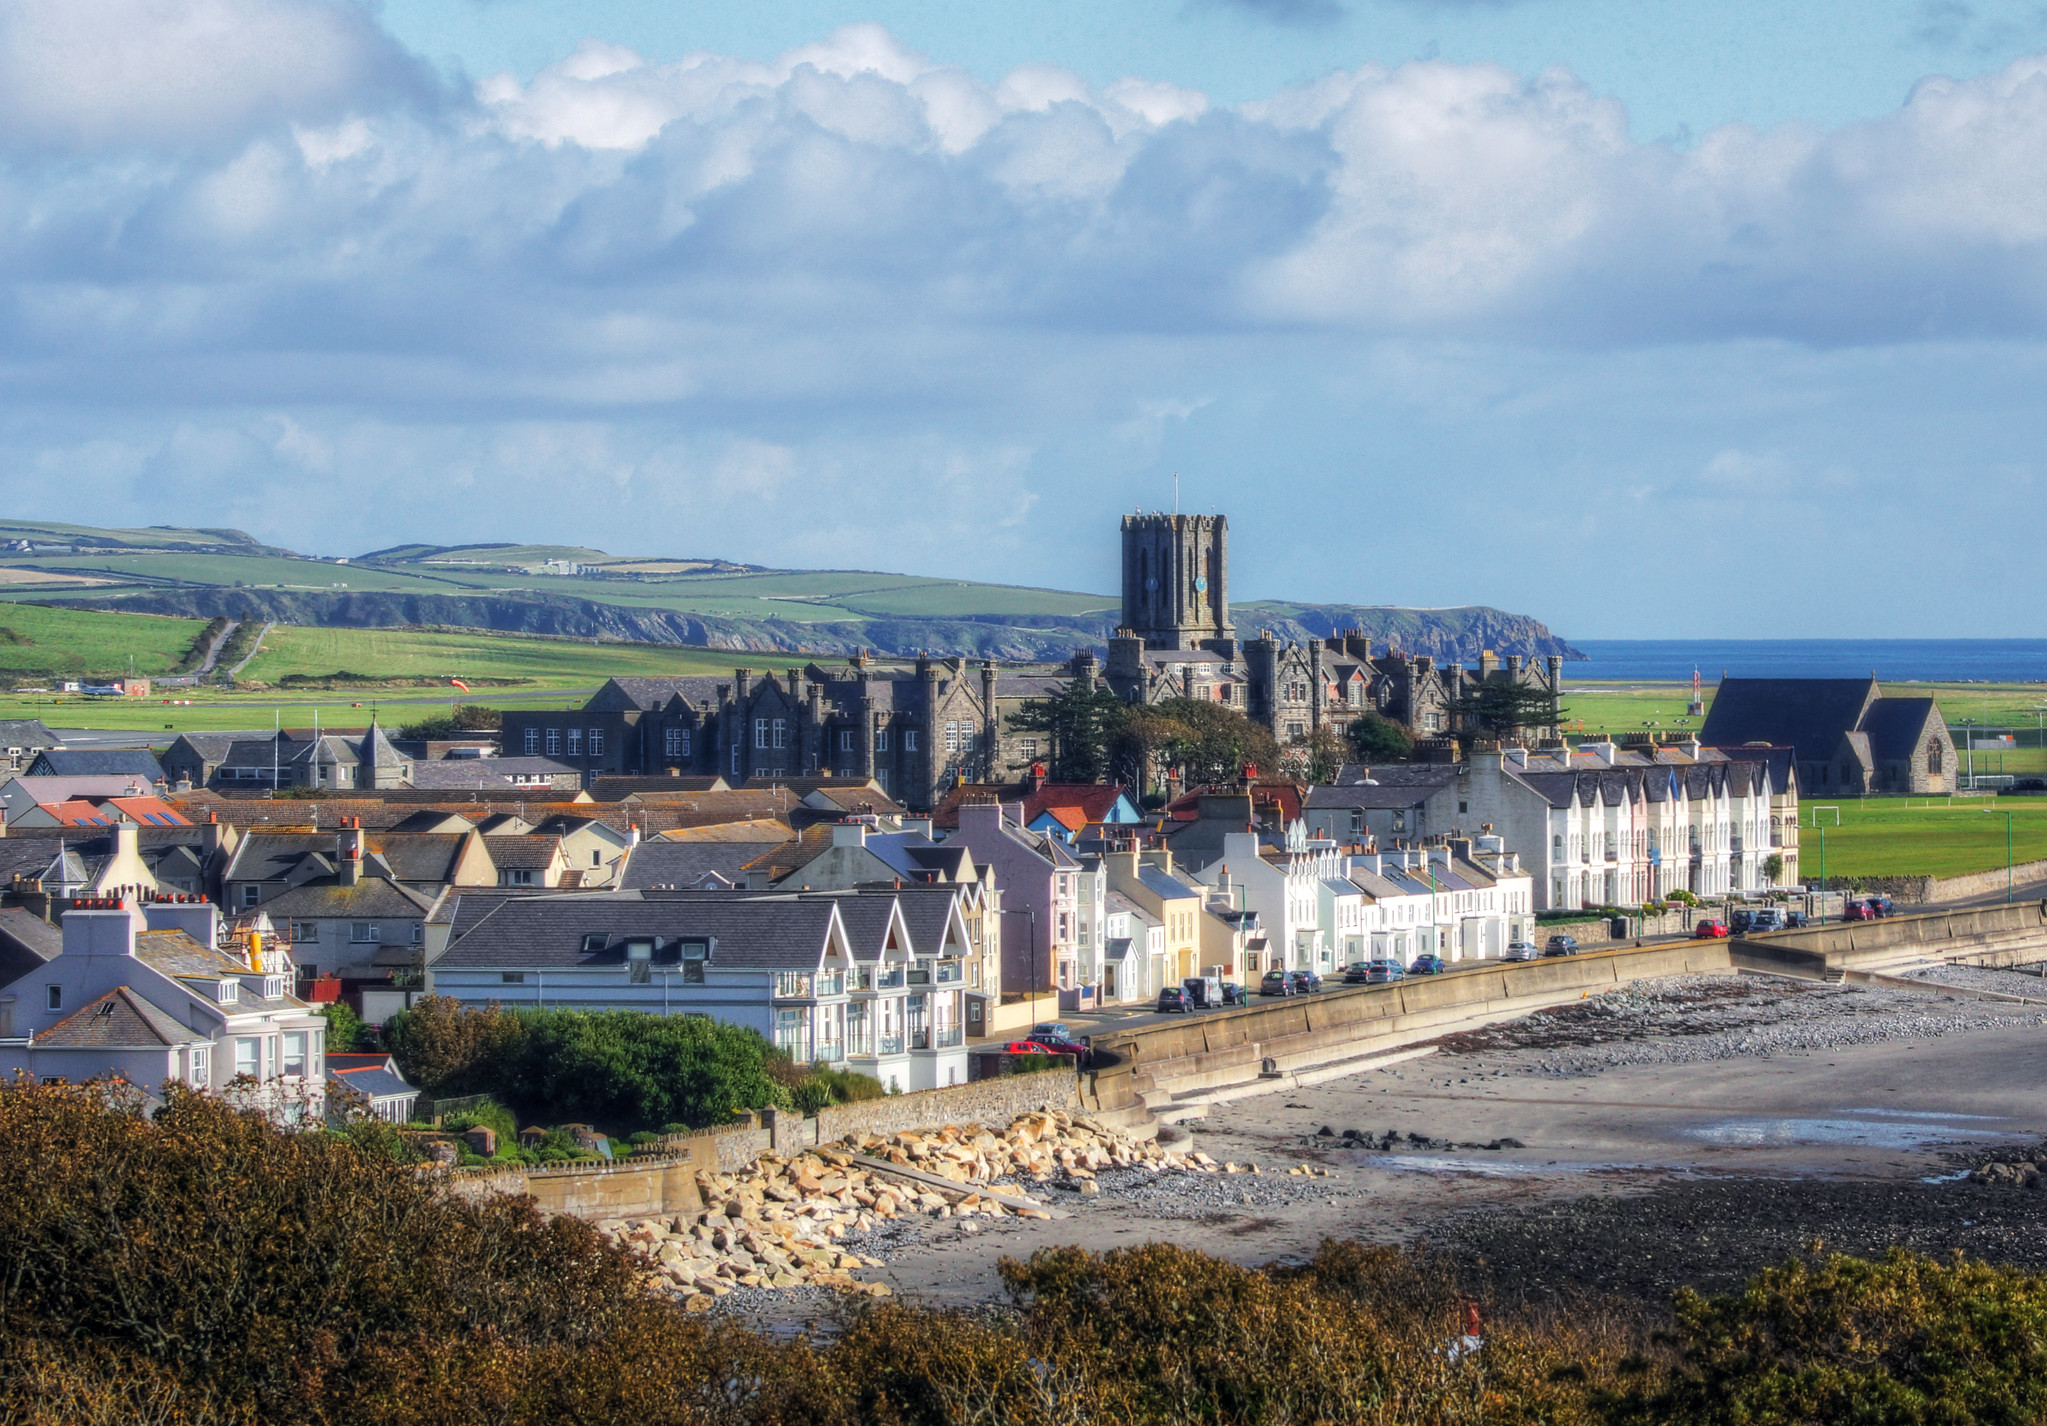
{"points": [[573, 592]]}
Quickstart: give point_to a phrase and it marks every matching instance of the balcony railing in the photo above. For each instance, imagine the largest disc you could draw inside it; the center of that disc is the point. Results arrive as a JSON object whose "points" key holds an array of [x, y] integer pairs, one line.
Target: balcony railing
{"points": [[949, 972], [860, 1046], [892, 1044], [830, 1051], [920, 1039], [889, 980], [951, 1037], [792, 985], [920, 975]]}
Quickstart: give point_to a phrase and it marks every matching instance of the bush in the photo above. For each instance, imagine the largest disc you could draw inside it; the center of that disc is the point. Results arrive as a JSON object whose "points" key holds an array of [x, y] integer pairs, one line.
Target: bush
{"points": [[616, 1067], [489, 1116]]}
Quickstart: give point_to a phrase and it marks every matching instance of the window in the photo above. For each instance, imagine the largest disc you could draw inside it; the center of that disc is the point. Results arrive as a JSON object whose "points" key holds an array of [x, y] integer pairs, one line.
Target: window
{"points": [[760, 732], [513, 977], [1357, 819], [202, 1057], [248, 1056], [1029, 748], [294, 1052], [952, 736], [639, 959], [53, 997], [532, 741], [554, 741], [1933, 756], [303, 932], [1223, 693], [575, 742], [881, 740], [516, 876], [674, 742], [735, 759], [695, 956], [596, 742], [778, 732], [418, 932], [1297, 730], [363, 933], [846, 741], [251, 894], [909, 740]]}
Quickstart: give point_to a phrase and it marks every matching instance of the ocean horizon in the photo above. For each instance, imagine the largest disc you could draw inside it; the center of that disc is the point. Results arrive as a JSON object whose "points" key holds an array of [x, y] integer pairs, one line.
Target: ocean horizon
{"points": [[1894, 660]]}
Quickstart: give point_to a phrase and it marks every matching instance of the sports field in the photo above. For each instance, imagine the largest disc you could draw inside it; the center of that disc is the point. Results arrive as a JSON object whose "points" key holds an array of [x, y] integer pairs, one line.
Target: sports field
{"points": [[1918, 836]]}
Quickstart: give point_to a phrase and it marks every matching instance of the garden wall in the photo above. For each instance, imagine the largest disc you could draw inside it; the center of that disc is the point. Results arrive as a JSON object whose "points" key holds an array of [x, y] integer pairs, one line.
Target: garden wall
{"points": [[993, 1102]]}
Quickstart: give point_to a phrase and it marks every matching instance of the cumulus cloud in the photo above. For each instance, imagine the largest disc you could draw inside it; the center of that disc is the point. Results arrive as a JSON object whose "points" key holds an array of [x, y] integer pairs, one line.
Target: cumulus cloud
{"points": [[85, 73]]}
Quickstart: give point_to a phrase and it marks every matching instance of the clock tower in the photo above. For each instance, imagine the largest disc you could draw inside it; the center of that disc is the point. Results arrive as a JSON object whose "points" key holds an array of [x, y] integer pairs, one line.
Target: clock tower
{"points": [[1176, 580]]}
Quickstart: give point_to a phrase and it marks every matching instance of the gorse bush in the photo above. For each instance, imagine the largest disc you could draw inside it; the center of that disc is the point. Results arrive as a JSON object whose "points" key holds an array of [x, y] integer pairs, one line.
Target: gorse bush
{"points": [[621, 1069], [205, 1267]]}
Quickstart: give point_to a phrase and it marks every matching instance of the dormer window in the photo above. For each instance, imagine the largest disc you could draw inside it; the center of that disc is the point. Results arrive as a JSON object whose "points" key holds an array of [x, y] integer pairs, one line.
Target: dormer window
{"points": [[593, 941], [227, 992], [639, 959], [695, 956]]}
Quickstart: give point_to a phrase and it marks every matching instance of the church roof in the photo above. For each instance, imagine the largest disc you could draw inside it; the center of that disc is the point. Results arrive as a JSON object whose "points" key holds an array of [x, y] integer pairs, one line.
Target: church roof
{"points": [[1810, 714], [1897, 726]]}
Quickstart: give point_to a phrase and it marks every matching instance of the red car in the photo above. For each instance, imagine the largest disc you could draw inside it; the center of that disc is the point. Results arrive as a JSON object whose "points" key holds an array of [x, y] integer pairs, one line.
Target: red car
{"points": [[1710, 931], [1024, 1047], [1857, 911]]}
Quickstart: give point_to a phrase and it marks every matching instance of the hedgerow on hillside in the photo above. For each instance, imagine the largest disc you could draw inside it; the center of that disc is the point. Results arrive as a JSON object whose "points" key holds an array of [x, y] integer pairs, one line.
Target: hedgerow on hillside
{"points": [[207, 1267]]}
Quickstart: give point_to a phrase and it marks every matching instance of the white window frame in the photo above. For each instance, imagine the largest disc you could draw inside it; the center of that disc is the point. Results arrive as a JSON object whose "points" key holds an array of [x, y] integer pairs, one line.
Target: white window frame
{"points": [[760, 732], [779, 732], [596, 742], [291, 1056], [364, 933], [909, 740], [554, 742], [532, 742], [249, 1052], [575, 742]]}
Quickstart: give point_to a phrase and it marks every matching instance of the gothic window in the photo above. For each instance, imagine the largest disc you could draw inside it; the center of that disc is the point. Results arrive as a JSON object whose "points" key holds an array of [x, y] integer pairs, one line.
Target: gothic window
{"points": [[952, 736], [881, 740], [846, 740], [909, 740], [1933, 756], [780, 733], [760, 732]]}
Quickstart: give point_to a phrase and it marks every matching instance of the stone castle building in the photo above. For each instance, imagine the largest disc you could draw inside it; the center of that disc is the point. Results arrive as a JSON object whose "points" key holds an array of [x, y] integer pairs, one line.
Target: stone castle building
{"points": [[1177, 641], [919, 728]]}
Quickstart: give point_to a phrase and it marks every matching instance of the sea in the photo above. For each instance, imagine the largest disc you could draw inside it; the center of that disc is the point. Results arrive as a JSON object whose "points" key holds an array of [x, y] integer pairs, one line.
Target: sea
{"points": [[1893, 660]]}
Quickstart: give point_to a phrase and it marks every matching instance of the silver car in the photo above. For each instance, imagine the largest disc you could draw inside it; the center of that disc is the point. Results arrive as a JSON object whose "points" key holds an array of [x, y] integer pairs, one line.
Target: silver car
{"points": [[1522, 951]]}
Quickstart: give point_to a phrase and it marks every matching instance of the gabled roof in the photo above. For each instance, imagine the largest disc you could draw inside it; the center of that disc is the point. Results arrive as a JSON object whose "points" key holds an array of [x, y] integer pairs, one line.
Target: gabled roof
{"points": [[97, 762], [119, 1020], [1810, 714], [26, 733], [643, 695], [662, 863], [526, 853], [1164, 884], [27, 942], [752, 933], [378, 1083], [1897, 727]]}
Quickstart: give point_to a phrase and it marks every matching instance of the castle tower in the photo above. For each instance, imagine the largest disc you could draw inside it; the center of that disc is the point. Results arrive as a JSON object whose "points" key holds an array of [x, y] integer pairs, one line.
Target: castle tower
{"points": [[1176, 579]]}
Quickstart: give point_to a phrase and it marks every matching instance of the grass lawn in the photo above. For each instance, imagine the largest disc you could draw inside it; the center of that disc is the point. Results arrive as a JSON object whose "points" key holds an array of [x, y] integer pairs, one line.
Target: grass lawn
{"points": [[1917, 836]]}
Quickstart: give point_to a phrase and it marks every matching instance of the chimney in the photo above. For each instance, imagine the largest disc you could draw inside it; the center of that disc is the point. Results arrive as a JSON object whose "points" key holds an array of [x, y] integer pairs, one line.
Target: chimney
{"points": [[125, 840], [632, 835], [350, 852], [849, 833], [194, 915], [101, 926]]}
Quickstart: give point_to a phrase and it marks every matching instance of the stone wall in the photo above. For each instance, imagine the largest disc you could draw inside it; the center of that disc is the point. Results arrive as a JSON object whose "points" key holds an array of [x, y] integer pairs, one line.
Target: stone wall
{"points": [[992, 1102], [1861, 945], [2025, 877], [633, 1188]]}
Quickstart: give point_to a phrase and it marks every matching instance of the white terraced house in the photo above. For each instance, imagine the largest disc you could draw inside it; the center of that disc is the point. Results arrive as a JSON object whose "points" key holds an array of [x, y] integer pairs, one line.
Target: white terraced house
{"points": [[869, 980]]}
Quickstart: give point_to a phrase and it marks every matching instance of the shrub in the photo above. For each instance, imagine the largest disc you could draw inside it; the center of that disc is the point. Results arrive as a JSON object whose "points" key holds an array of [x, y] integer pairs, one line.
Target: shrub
{"points": [[345, 1030]]}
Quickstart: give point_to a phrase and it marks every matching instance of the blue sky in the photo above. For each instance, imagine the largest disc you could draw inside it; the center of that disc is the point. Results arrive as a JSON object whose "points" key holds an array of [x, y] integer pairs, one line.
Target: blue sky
{"points": [[1648, 319]]}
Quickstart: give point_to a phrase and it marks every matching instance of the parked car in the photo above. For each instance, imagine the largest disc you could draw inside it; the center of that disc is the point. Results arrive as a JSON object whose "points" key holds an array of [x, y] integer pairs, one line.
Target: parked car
{"points": [[1881, 905], [1275, 982], [1710, 931], [1793, 919], [1769, 918], [1740, 922], [1358, 973], [1172, 998], [1384, 972], [1233, 994], [1561, 946], [1051, 1027], [1521, 951], [1857, 911], [1205, 991], [1306, 982], [1024, 1047], [1428, 965], [1060, 1045]]}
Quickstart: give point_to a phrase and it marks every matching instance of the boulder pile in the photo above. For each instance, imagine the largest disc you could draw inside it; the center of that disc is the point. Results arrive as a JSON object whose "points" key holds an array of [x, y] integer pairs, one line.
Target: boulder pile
{"points": [[1043, 1147], [2031, 1175], [781, 1222]]}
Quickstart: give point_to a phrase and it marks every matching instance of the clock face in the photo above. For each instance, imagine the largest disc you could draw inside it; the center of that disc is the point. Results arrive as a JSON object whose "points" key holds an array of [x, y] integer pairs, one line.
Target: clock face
{"points": [[1201, 584]]}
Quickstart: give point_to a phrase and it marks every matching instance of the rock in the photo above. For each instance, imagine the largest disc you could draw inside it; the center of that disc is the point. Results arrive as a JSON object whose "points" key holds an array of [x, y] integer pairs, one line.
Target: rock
{"points": [[1089, 1188]]}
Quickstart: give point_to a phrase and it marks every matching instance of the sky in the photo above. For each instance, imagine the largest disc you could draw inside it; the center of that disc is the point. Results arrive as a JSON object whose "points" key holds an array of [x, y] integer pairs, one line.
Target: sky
{"points": [[1648, 319]]}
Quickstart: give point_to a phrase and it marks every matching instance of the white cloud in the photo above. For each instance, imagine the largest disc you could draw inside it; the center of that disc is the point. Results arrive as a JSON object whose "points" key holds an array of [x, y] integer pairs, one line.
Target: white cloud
{"points": [[81, 73]]}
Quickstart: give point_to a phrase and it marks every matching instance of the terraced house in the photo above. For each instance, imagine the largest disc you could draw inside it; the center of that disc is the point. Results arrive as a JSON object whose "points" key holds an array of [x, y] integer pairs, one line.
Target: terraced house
{"points": [[867, 980]]}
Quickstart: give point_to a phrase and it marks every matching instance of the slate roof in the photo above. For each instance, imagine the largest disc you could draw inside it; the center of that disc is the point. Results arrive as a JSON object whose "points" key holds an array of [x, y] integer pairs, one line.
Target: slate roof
{"points": [[1897, 727], [659, 863], [761, 830], [97, 762], [119, 1020], [926, 910], [372, 898], [1165, 884], [372, 1083], [26, 733], [647, 694], [1399, 794], [27, 943], [1094, 800], [1809, 714], [528, 853], [544, 932]]}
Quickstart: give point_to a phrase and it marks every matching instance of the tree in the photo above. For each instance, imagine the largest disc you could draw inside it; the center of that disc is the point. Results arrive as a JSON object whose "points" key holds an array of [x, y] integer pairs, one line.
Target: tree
{"points": [[1499, 709], [1375, 738], [447, 1049], [345, 1030], [1207, 742], [1319, 755], [1081, 722], [467, 718]]}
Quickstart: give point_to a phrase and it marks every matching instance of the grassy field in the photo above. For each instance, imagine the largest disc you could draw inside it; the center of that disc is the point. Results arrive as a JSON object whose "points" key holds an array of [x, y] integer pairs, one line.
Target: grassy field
{"points": [[71, 643], [428, 653], [1895, 836]]}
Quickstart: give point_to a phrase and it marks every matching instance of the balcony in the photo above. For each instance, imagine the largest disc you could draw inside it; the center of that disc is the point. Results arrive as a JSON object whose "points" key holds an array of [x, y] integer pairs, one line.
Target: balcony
{"points": [[949, 973], [889, 980], [951, 1037], [920, 1039], [891, 1044], [830, 1051], [792, 985]]}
